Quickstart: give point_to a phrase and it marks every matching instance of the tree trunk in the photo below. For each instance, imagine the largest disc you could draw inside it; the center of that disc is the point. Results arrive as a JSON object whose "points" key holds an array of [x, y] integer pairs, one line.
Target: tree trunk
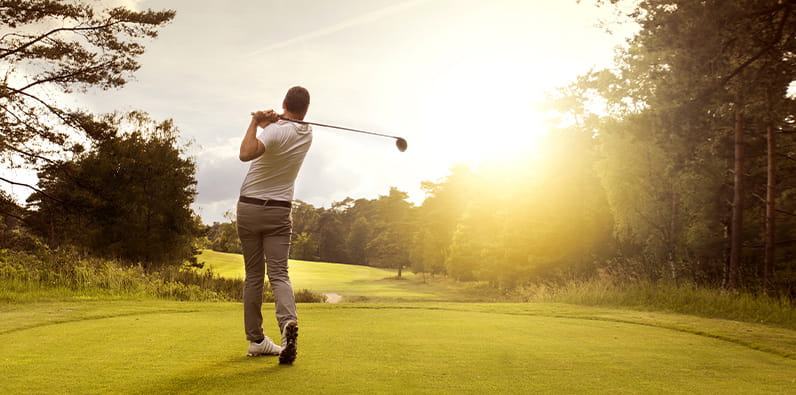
{"points": [[737, 200], [672, 256], [768, 260]]}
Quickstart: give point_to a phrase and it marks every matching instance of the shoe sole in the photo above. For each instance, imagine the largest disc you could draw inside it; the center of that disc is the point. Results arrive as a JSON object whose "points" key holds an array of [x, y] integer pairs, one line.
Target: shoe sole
{"points": [[288, 354], [260, 355]]}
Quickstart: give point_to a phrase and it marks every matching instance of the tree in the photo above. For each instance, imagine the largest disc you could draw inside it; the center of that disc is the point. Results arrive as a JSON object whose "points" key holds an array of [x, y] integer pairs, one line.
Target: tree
{"points": [[51, 48], [358, 239], [707, 77], [393, 228], [128, 197], [439, 217], [304, 247], [331, 235], [224, 236]]}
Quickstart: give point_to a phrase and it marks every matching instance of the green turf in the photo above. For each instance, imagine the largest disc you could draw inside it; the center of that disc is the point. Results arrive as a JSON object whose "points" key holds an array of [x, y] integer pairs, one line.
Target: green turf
{"points": [[167, 347], [351, 281]]}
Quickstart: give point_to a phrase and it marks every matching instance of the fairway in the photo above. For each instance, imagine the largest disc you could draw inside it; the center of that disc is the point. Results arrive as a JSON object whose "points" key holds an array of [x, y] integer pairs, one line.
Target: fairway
{"points": [[166, 347], [350, 281]]}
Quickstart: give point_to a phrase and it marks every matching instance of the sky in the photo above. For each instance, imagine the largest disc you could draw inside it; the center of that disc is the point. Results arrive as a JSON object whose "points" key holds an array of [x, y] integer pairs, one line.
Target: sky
{"points": [[460, 80]]}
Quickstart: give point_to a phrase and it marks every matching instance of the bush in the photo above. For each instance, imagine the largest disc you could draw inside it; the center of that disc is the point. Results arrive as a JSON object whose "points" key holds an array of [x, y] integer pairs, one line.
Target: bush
{"points": [[307, 296], [70, 271]]}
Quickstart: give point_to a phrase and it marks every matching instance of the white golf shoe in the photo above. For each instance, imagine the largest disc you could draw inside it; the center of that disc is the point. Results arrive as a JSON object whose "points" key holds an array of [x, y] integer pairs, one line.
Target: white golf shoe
{"points": [[266, 347]]}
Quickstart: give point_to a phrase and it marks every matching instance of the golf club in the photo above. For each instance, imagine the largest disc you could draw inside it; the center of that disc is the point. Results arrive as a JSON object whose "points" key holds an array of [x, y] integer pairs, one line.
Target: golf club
{"points": [[400, 142]]}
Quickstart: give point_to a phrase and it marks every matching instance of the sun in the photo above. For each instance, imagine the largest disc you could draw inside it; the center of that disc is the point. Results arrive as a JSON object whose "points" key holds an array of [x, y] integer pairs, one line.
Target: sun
{"points": [[491, 112]]}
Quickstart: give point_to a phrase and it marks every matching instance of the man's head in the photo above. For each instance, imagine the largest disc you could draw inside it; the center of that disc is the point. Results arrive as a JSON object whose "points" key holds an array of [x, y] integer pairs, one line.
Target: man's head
{"points": [[297, 101]]}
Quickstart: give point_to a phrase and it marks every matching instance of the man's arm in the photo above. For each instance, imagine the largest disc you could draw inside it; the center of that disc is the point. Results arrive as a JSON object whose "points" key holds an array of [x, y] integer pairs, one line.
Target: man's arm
{"points": [[251, 148]]}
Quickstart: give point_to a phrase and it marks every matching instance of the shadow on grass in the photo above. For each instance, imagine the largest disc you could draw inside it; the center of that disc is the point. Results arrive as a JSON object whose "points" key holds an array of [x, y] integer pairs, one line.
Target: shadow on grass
{"points": [[239, 374]]}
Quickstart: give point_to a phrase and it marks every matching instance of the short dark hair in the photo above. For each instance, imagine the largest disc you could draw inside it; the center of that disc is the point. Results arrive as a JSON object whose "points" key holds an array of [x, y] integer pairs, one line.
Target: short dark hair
{"points": [[297, 100]]}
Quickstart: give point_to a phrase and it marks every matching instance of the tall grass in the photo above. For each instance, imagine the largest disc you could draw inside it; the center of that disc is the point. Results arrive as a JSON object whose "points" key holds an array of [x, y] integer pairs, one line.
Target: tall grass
{"points": [[681, 298], [64, 273]]}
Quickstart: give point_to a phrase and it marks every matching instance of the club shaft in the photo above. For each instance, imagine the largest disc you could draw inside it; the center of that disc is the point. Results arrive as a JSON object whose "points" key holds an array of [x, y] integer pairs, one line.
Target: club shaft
{"points": [[339, 127]]}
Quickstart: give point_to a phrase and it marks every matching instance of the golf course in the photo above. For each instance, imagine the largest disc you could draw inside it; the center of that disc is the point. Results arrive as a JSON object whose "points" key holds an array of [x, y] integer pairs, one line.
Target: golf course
{"points": [[418, 345], [398, 197]]}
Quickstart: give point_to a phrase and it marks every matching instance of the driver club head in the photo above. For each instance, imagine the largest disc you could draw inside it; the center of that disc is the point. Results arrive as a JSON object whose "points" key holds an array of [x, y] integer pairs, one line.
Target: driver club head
{"points": [[401, 144]]}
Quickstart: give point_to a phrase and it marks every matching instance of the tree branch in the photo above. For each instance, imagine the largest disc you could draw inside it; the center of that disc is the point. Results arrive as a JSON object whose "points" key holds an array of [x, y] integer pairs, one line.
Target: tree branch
{"points": [[30, 154], [52, 109], [744, 65], [785, 212], [31, 187], [51, 32], [22, 122], [62, 77]]}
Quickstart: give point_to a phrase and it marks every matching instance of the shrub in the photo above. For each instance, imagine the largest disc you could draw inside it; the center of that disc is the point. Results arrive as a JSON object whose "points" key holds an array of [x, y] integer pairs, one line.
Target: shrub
{"points": [[69, 270]]}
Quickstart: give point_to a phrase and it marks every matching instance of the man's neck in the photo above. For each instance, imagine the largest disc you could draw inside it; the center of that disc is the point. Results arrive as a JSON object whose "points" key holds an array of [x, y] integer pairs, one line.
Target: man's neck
{"points": [[291, 115]]}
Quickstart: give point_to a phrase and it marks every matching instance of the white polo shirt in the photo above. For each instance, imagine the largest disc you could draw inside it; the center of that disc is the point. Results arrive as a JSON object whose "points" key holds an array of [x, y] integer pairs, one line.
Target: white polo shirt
{"points": [[272, 176]]}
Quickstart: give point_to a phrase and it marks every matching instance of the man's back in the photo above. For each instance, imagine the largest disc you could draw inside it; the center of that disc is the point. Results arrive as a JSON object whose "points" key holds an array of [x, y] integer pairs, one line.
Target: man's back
{"points": [[272, 176]]}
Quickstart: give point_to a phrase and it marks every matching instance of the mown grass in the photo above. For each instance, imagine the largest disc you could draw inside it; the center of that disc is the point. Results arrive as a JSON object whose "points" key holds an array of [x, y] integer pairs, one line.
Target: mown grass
{"points": [[357, 283], [186, 347]]}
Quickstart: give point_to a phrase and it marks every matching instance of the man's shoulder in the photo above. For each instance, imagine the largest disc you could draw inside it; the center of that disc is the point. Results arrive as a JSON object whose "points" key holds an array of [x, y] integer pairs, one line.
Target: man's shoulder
{"points": [[278, 125], [274, 130]]}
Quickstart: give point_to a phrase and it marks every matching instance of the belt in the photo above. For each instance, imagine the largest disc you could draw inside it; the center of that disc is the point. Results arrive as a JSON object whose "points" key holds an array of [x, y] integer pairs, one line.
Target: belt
{"points": [[261, 202]]}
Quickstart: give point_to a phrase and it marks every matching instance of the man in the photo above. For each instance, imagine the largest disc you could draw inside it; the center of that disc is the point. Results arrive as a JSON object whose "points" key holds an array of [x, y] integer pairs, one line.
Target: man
{"points": [[264, 220]]}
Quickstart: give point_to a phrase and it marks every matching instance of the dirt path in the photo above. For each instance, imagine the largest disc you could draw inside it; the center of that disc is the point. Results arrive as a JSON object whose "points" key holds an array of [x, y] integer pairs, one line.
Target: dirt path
{"points": [[333, 298]]}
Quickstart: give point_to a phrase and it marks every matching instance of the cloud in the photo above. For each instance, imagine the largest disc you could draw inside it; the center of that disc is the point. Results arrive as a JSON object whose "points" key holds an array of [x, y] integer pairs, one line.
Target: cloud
{"points": [[219, 180]]}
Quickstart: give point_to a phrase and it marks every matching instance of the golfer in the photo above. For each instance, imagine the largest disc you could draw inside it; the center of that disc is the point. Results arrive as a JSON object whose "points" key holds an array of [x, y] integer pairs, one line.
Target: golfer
{"points": [[264, 220]]}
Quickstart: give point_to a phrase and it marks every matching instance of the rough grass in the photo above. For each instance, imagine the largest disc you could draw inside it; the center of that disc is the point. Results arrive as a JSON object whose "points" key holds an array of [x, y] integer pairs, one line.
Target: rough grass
{"points": [[65, 274], [184, 347], [683, 298]]}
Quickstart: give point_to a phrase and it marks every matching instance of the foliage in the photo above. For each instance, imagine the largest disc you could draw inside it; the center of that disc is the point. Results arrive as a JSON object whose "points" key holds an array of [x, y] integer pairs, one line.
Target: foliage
{"points": [[65, 273], [22, 272], [51, 48], [11, 217], [684, 157], [129, 198], [223, 237], [304, 246]]}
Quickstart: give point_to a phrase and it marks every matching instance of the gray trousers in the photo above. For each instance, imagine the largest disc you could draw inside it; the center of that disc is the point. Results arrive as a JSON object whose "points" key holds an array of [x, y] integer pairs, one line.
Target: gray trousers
{"points": [[265, 237]]}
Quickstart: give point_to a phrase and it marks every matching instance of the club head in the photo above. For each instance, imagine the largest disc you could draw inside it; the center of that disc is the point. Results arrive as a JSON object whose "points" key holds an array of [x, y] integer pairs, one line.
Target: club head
{"points": [[401, 144]]}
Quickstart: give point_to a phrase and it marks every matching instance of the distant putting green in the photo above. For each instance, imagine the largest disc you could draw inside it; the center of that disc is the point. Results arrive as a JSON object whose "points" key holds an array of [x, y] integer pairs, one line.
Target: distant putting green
{"points": [[171, 347], [350, 281]]}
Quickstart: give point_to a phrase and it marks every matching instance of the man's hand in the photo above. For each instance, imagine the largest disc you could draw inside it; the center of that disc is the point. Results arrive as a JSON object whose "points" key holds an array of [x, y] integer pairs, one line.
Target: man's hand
{"points": [[264, 118], [251, 147]]}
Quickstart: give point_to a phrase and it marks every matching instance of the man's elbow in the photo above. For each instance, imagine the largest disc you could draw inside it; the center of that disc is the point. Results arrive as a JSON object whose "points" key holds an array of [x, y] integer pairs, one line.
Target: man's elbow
{"points": [[245, 156], [250, 152]]}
